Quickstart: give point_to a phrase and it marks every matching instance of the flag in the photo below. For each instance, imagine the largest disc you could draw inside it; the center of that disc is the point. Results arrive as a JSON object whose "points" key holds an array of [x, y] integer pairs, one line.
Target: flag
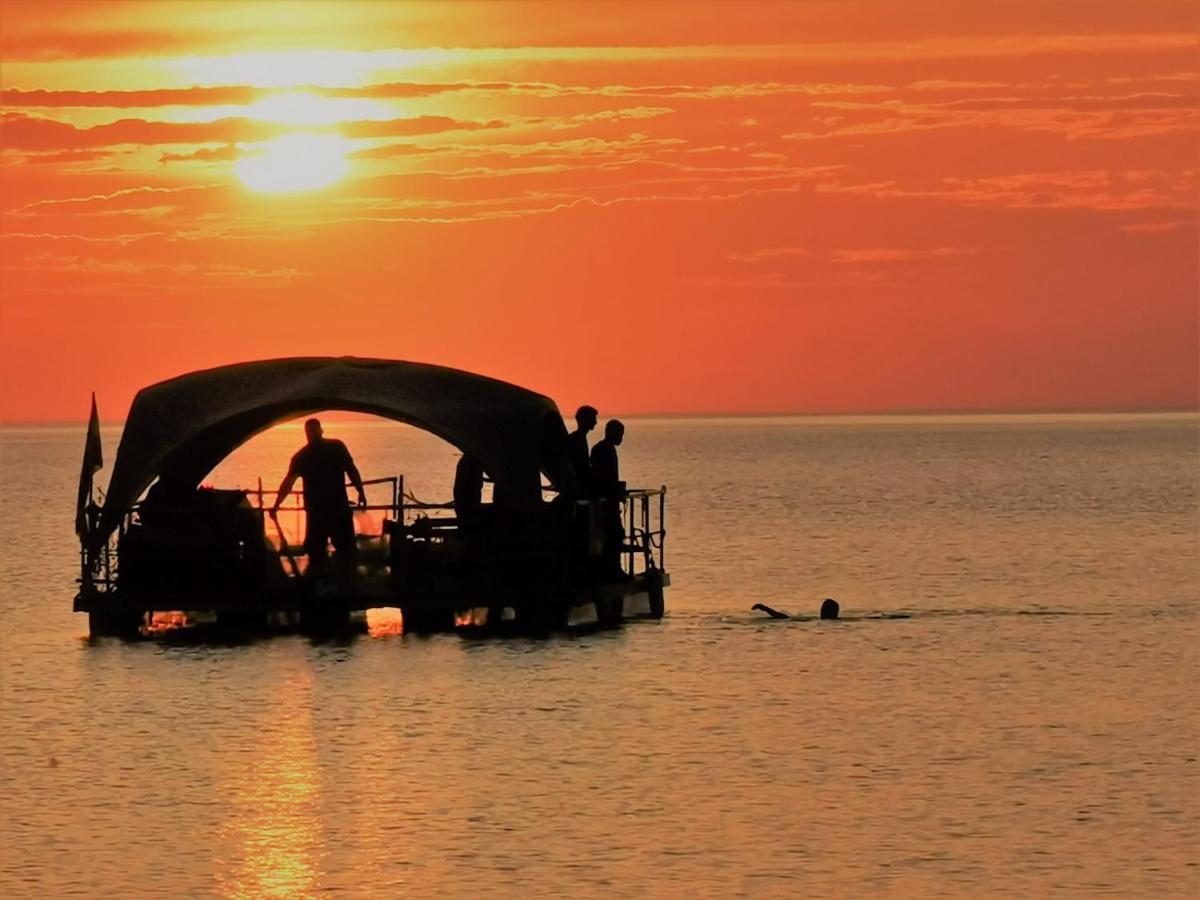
{"points": [[93, 461]]}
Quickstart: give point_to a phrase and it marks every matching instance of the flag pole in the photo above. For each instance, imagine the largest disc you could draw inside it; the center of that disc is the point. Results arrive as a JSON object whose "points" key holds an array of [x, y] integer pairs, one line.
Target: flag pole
{"points": [[93, 461]]}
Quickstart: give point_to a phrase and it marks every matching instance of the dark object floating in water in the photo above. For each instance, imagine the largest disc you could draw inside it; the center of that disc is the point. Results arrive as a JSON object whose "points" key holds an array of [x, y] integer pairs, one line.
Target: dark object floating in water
{"points": [[528, 560], [829, 610]]}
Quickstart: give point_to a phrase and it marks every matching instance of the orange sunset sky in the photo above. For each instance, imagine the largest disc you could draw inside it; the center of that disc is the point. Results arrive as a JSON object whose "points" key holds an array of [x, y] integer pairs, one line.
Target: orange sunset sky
{"points": [[655, 207]]}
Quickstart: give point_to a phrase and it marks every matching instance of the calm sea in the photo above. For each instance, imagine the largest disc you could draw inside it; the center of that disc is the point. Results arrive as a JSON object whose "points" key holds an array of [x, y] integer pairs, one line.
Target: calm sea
{"points": [[1030, 730]]}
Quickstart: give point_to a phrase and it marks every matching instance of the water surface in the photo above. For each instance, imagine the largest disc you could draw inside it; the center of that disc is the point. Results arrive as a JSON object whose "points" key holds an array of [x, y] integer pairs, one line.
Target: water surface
{"points": [[1030, 729]]}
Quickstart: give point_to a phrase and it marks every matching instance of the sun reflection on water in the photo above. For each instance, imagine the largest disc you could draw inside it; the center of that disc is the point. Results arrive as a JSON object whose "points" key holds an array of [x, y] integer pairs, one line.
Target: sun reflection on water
{"points": [[384, 621], [274, 816]]}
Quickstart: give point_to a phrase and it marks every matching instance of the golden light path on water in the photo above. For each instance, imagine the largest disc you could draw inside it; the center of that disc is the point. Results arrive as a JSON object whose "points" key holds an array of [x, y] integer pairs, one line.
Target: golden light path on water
{"points": [[274, 806]]}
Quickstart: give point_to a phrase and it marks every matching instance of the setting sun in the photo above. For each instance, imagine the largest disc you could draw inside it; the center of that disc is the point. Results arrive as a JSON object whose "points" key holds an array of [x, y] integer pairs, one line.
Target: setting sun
{"points": [[297, 162]]}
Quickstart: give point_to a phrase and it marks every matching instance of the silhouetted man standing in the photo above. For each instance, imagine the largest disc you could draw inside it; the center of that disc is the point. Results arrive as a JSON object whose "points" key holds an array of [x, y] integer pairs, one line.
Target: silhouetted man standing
{"points": [[468, 492], [577, 447], [610, 489], [324, 465]]}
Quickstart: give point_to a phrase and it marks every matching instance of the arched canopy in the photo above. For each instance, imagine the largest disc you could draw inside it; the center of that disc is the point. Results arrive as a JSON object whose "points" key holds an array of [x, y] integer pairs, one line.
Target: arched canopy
{"points": [[179, 429]]}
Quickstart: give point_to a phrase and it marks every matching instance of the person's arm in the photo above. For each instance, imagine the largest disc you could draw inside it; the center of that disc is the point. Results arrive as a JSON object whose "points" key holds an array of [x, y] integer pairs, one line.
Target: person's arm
{"points": [[355, 478], [285, 486]]}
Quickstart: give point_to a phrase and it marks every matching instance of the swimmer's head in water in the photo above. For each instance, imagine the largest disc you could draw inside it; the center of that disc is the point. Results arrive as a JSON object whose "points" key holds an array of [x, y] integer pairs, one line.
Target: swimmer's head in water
{"points": [[830, 609]]}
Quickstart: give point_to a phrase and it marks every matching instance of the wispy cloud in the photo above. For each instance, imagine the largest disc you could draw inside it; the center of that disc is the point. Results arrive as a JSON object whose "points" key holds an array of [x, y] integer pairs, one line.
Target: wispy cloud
{"points": [[24, 132], [1094, 190], [92, 265], [121, 195], [852, 255]]}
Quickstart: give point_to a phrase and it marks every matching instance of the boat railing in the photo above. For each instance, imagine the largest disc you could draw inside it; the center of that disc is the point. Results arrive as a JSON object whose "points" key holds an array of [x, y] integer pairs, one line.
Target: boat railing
{"points": [[258, 498], [391, 508], [644, 520], [643, 517], [99, 565]]}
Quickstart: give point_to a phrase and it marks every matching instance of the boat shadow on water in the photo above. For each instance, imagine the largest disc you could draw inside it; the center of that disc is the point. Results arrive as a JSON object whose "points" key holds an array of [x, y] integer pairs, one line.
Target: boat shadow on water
{"points": [[205, 630]]}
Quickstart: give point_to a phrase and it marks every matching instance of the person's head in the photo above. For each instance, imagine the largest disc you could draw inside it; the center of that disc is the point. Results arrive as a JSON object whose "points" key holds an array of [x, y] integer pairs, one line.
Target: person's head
{"points": [[586, 417], [830, 609], [614, 431], [312, 429]]}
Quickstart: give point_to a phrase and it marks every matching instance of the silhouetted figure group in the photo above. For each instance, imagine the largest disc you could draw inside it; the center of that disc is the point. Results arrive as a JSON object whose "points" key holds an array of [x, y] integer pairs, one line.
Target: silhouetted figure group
{"points": [[324, 464], [598, 476]]}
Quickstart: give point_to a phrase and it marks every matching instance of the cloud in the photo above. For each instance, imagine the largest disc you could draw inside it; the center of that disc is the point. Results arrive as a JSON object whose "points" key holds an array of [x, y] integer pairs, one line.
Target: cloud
{"points": [[91, 265], [546, 203], [947, 84], [853, 256], [191, 96], [27, 158], [1185, 77], [636, 146], [36, 133], [115, 198], [122, 239], [610, 115], [1146, 100], [228, 153], [1117, 117], [765, 253], [691, 91], [897, 254], [39, 133], [773, 281], [1158, 227], [413, 126], [233, 95], [1093, 190]]}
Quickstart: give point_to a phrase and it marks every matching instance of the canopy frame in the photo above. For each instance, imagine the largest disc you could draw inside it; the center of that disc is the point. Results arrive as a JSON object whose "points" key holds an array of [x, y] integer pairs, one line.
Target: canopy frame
{"points": [[178, 430]]}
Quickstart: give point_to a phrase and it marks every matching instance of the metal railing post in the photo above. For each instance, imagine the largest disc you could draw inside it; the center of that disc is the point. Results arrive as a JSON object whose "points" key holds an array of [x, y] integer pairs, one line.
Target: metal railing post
{"points": [[662, 528], [629, 532], [648, 548]]}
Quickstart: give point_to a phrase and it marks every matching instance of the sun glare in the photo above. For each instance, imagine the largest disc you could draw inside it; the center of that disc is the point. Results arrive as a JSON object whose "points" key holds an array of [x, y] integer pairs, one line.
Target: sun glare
{"points": [[297, 162], [306, 109], [318, 68]]}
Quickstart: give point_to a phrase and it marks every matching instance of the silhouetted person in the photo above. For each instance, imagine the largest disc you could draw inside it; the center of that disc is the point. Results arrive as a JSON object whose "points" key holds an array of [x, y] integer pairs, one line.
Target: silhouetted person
{"points": [[324, 465], [829, 610], [468, 492], [605, 467], [577, 447], [610, 490]]}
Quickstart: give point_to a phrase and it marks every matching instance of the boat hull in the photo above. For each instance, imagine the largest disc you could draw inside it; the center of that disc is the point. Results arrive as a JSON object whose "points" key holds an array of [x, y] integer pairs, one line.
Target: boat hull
{"points": [[127, 614]]}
